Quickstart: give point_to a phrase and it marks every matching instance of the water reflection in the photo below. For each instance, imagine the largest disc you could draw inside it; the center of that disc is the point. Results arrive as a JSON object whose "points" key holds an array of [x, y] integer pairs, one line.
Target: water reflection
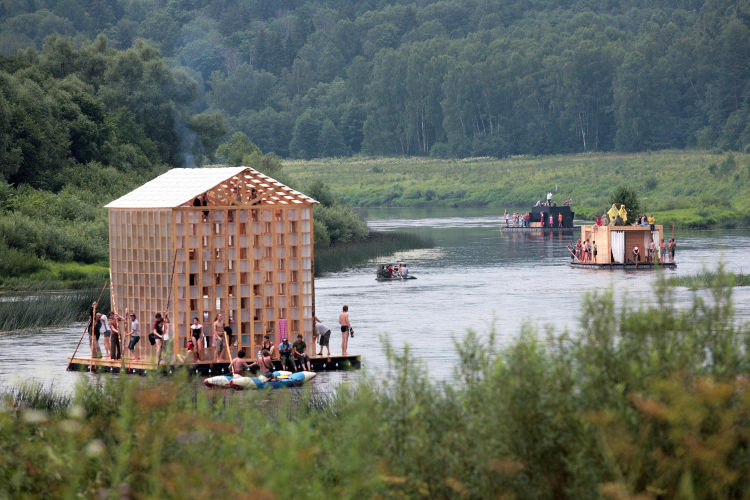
{"points": [[475, 278]]}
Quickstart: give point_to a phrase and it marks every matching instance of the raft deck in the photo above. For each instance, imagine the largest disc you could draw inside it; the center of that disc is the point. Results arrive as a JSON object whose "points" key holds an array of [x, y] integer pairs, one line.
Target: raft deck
{"points": [[546, 229], [335, 362], [639, 267]]}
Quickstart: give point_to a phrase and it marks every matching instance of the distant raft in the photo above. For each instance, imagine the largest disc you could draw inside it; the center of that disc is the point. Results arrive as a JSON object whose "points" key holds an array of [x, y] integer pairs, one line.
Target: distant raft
{"points": [[284, 379]]}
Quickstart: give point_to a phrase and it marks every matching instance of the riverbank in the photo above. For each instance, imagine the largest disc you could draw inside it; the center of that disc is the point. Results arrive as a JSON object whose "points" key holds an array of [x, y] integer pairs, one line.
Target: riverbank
{"points": [[695, 189], [625, 390], [377, 244]]}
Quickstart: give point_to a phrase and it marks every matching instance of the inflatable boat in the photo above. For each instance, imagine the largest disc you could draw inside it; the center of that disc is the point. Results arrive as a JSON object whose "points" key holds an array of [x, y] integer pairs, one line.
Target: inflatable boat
{"points": [[284, 379], [397, 278]]}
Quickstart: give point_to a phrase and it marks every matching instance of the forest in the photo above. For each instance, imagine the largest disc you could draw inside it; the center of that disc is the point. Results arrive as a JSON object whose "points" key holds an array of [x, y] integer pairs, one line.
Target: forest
{"points": [[99, 96], [81, 126], [442, 78]]}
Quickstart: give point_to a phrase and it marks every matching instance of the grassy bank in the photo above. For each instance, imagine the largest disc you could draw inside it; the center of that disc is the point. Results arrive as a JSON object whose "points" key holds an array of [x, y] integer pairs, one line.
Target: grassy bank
{"points": [[59, 276], [642, 402], [690, 188], [377, 244]]}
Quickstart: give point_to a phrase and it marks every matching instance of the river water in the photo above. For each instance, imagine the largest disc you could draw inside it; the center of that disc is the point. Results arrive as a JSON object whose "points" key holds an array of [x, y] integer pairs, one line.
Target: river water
{"points": [[475, 278]]}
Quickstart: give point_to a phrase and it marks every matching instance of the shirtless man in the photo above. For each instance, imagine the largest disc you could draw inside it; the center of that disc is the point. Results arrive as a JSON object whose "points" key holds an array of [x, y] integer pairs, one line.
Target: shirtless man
{"points": [[218, 337], [671, 246], [662, 252], [651, 251], [239, 364], [345, 327], [265, 364]]}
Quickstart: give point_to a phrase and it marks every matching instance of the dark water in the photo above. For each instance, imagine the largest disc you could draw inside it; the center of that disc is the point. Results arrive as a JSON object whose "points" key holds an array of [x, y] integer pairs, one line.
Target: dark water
{"points": [[476, 278]]}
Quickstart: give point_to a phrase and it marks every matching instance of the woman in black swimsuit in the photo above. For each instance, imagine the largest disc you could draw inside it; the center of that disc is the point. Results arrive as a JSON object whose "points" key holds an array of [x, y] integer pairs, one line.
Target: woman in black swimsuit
{"points": [[196, 330]]}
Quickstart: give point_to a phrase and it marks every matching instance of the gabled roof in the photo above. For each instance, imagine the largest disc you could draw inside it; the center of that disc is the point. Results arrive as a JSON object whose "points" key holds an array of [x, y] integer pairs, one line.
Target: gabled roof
{"points": [[225, 185]]}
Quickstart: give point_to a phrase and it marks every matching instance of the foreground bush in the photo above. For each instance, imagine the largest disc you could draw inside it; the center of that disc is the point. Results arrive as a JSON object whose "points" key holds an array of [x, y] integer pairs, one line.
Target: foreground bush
{"points": [[647, 402]]}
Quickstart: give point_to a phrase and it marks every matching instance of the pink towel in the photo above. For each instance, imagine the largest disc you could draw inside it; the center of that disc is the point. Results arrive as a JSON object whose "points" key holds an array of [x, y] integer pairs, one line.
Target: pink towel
{"points": [[283, 331]]}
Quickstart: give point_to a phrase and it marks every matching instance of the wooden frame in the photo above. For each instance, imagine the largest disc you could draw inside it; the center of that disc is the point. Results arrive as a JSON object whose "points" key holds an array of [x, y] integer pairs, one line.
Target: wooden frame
{"points": [[248, 254]]}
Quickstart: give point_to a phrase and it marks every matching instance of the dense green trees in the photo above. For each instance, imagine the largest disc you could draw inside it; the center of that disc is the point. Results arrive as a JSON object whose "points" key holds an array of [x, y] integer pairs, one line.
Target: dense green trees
{"points": [[82, 125], [444, 77]]}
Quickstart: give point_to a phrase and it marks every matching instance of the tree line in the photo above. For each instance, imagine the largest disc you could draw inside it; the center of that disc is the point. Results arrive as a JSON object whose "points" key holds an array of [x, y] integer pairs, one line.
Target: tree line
{"points": [[442, 78], [81, 126]]}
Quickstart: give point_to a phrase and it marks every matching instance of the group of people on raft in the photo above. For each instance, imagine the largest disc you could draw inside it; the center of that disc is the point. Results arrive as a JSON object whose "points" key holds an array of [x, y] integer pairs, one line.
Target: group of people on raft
{"points": [[583, 251], [400, 271], [119, 331]]}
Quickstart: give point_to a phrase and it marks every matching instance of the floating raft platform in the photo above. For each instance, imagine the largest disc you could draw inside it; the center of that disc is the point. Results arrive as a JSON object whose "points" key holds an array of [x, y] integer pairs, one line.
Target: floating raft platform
{"points": [[629, 267], [520, 229], [142, 367]]}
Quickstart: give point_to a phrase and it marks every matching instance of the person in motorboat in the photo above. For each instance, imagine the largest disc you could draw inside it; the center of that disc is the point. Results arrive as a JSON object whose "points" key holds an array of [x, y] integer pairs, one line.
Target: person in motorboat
{"points": [[403, 270], [382, 271]]}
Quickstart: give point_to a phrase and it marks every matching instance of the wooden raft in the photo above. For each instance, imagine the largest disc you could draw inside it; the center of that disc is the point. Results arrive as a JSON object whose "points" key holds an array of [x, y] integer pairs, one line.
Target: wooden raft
{"points": [[335, 362]]}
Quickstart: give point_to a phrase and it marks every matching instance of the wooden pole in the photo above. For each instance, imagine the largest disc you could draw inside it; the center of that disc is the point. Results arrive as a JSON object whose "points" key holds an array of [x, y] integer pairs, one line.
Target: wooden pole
{"points": [[87, 327], [229, 353], [171, 278], [166, 312], [672, 229]]}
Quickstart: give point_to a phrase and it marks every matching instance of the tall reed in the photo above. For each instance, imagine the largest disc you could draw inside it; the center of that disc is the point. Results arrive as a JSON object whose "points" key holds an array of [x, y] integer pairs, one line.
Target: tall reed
{"points": [[48, 309]]}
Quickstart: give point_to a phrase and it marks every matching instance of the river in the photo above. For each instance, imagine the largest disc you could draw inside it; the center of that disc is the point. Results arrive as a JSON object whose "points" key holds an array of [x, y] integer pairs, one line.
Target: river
{"points": [[475, 278]]}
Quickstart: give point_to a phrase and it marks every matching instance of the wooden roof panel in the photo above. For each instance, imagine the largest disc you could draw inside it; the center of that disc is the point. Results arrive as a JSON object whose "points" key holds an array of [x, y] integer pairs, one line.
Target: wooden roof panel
{"points": [[180, 186]]}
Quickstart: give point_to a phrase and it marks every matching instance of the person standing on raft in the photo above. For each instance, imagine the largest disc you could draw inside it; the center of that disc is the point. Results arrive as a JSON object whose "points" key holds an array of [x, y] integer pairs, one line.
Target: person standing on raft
{"points": [[218, 337], [134, 335], [346, 326], [324, 335]]}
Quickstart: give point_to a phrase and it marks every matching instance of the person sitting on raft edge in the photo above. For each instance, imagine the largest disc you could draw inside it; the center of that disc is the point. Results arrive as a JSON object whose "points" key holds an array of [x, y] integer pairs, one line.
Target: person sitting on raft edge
{"points": [[239, 364], [265, 364]]}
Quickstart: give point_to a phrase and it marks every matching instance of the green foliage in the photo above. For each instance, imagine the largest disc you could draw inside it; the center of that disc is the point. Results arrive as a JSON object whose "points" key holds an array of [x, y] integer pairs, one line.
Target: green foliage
{"points": [[640, 401], [708, 279], [678, 186], [628, 197], [237, 149], [342, 224], [479, 78], [321, 192]]}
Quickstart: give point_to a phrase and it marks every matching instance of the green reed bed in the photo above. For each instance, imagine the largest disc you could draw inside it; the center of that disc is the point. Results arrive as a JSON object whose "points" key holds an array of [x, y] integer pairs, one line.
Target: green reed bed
{"points": [[706, 279], [377, 244], [643, 400], [48, 309], [34, 395]]}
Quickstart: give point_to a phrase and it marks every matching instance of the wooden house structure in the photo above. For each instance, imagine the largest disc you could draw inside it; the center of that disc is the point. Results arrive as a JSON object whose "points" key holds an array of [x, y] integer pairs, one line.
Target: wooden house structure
{"points": [[615, 246], [205, 241]]}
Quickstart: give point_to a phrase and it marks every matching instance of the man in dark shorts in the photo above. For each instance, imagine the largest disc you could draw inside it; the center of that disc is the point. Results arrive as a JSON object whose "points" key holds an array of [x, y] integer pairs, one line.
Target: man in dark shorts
{"points": [[285, 350], [300, 353], [324, 335], [134, 335]]}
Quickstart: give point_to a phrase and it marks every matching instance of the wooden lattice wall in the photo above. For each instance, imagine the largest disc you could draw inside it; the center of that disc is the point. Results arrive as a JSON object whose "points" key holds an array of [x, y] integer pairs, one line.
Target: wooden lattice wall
{"points": [[251, 261], [141, 255]]}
